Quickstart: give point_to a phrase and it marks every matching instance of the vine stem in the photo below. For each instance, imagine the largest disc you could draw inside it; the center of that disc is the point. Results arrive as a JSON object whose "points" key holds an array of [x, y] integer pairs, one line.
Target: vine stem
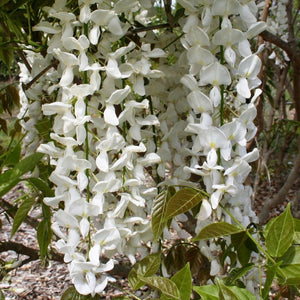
{"points": [[87, 150]]}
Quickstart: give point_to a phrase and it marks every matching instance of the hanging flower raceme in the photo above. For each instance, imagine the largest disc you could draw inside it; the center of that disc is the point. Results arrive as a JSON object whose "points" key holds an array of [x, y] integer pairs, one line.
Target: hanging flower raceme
{"points": [[222, 76], [127, 115], [100, 129]]}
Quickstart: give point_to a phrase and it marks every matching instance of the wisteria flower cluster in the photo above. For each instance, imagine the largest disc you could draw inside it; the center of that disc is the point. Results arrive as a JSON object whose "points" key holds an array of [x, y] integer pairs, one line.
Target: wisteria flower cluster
{"points": [[125, 111]]}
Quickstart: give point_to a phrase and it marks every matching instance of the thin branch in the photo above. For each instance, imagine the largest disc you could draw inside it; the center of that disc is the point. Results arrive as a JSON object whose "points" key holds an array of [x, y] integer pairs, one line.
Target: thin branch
{"points": [[148, 28], [39, 75], [32, 253], [168, 10], [277, 41], [20, 249], [274, 39]]}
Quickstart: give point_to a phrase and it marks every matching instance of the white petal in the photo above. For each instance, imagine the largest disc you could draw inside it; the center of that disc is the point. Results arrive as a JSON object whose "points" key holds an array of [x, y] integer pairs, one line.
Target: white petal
{"points": [[55, 108], [230, 56], [114, 26], [94, 254], [91, 280], [84, 41], [215, 198], [205, 210], [102, 161], [189, 81], [94, 35], [102, 17], [243, 88], [206, 16], [82, 181], [255, 29], [119, 95], [212, 158], [71, 43], [244, 48], [101, 285], [246, 14], [81, 286], [83, 61], [110, 116], [138, 85], [80, 134], [84, 226], [214, 268], [85, 14], [250, 66], [46, 27], [67, 77], [112, 69], [215, 74], [215, 96], [120, 163], [198, 36]]}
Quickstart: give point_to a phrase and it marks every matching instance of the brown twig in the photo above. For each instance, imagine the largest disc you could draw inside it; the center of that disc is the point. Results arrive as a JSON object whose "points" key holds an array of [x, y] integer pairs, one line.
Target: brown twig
{"points": [[277, 41], [168, 10], [32, 253], [148, 28], [39, 75]]}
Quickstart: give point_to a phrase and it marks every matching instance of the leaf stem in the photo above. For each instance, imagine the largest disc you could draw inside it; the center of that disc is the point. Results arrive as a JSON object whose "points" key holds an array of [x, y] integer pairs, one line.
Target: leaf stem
{"points": [[250, 236]]}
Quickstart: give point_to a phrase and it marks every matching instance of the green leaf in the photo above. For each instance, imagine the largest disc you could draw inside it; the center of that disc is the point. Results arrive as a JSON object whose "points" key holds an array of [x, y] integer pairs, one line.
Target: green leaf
{"points": [[207, 292], [70, 294], [183, 281], [290, 265], [44, 127], [296, 224], [21, 213], [199, 263], [279, 236], [148, 266], [296, 238], [13, 156], [244, 246], [175, 258], [12, 176], [237, 273], [159, 210], [3, 2], [270, 274], [1, 295], [217, 230], [42, 186], [182, 201], [233, 293], [44, 232], [165, 285]]}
